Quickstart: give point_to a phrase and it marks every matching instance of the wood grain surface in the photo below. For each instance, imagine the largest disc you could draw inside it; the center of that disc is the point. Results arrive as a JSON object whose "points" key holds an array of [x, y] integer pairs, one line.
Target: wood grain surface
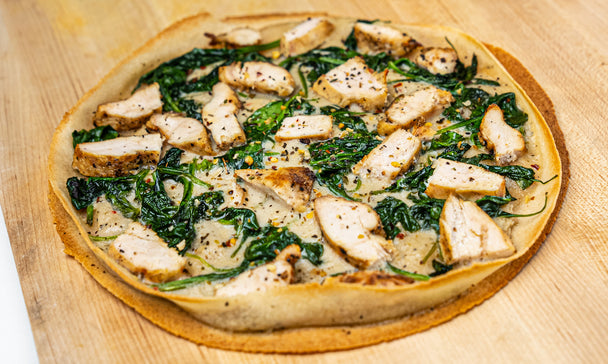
{"points": [[555, 310]]}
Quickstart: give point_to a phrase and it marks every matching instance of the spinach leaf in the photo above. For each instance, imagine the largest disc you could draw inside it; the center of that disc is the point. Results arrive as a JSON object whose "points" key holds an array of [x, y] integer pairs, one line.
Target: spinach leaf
{"points": [[414, 276], [445, 140], [492, 205], [412, 181], [426, 210], [83, 192], [451, 82], [345, 119], [274, 239], [440, 268], [333, 158], [392, 212], [244, 220], [522, 175], [265, 121], [248, 156], [98, 134]]}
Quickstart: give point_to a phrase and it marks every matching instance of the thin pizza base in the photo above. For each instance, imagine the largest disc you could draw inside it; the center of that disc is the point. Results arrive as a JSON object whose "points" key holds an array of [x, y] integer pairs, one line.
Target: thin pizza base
{"points": [[299, 340]]}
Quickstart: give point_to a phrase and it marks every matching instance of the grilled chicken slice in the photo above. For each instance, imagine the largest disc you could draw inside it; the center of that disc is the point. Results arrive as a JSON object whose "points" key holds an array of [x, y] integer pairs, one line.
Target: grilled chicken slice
{"points": [[349, 228], [141, 251], [181, 132], [259, 76], [463, 179], [116, 157], [407, 110], [305, 36], [441, 61], [238, 37], [279, 272], [468, 233], [394, 155], [353, 83], [219, 116], [507, 143], [291, 185], [315, 127], [132, 112], [375, 38]]}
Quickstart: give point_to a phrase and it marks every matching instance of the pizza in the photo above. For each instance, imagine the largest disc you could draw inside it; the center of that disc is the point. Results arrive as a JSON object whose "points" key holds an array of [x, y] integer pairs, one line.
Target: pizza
{"points": [[257, 181]]}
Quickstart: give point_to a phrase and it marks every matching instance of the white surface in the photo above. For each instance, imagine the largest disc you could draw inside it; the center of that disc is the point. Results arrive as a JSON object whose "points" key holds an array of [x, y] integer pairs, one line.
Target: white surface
{"points": [[16, 339]]}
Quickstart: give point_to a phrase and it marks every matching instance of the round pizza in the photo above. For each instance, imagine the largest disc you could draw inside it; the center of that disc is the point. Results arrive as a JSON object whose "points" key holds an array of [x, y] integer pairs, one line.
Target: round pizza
{"points": [[298, 184]]}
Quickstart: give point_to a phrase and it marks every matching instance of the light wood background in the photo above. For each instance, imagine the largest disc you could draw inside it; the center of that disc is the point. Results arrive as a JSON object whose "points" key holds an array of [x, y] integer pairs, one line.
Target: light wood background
{"points": [[555, 310]]}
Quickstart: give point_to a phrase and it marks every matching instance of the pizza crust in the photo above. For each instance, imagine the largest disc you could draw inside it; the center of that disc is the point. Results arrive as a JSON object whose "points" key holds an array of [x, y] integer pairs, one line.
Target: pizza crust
{"points": [[298, 340]]}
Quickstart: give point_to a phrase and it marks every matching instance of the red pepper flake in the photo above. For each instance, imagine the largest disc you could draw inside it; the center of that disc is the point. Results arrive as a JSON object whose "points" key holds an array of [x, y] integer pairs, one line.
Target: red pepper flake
{"points": [[400, 236], [148, 180], [155, 288], [399, 84], [113, 211], [203, 67], [535, 166], [98, 199], [188, 72]]}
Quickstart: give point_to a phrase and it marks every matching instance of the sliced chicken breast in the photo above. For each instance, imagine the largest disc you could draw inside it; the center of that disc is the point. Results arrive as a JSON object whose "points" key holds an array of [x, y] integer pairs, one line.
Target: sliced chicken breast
{"points": [[349, 228], [117, 157], [463, 179], [507, 143], [353, 83], [292, 185], [259, 76], [305, 36], [394, 155], [141, 251], [376, 38], [467, 233], [130, 113], [407, 110], [219, 116], [441, 61], [279, 272], [313, 127], [182, 132], [237, 37]]}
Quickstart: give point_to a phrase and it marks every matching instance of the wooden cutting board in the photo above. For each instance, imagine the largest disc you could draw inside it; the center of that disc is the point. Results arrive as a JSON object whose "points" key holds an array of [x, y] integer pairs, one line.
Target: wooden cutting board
{"points": [[554, 310]]}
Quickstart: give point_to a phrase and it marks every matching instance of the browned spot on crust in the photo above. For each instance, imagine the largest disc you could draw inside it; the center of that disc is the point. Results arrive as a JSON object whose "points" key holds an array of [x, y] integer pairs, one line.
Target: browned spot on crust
{"points": [[375, 278]]}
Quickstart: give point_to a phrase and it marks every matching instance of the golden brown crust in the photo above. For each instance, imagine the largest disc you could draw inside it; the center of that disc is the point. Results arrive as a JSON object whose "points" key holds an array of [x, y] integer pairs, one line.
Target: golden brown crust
{"points": [[307, 340]]}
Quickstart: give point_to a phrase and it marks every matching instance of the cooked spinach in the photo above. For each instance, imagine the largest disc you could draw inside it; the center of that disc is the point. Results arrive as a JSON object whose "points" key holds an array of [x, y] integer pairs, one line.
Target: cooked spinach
{"points": [[414, 276], [261, 250], [265, 121], [440, 268], [445, 140], [317, 62], [333, 158], [248, 156], [492, 205], [172, 76], [426, 210], [83, 192], [345, 119], [98, 134], [411, 181], [451, 82], [392, 212]]}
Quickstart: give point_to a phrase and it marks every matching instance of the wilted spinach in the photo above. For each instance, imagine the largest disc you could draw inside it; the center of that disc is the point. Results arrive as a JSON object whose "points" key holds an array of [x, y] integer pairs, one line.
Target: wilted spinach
{"points": [[333, 158], [172, 76], [392, 212], [248, 156], [98, 134]]}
